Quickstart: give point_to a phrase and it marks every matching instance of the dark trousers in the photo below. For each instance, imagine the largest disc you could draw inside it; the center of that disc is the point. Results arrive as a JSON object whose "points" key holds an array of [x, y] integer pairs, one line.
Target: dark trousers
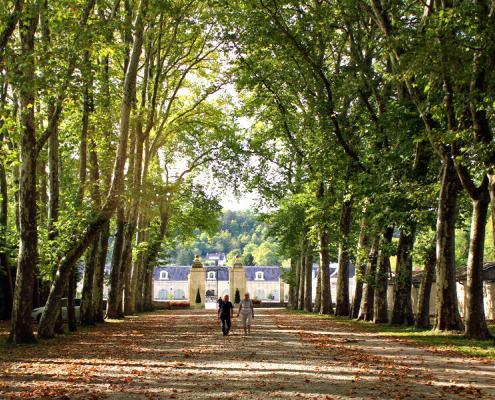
{"points": [[226, 324]]}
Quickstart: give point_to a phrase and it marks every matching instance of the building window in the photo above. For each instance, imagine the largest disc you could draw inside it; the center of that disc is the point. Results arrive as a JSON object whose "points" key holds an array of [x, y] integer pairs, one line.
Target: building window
{"points": [[260, 276], [211, 276], [164, 275]]}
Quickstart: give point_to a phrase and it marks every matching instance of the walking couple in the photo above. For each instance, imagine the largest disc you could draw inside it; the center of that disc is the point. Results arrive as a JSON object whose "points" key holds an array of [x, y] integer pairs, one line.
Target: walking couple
{"points": [[226, 313]]}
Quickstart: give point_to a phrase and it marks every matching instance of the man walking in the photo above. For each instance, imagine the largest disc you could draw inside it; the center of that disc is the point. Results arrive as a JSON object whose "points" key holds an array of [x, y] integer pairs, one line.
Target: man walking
{"points": [[225, 314]]}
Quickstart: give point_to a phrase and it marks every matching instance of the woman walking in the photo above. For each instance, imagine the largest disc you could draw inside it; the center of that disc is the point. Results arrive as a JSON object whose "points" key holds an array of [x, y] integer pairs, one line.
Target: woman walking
{"points": [[246, 311]]}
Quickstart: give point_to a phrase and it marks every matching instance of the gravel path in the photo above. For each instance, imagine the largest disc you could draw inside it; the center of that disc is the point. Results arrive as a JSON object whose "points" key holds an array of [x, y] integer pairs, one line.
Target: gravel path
{"points": [[182, 355]]}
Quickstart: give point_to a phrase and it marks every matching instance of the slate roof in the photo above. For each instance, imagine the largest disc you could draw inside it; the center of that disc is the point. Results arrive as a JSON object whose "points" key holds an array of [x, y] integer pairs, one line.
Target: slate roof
{"points": [[180, 273], [175, 273], [270, 273], [223, 272]]}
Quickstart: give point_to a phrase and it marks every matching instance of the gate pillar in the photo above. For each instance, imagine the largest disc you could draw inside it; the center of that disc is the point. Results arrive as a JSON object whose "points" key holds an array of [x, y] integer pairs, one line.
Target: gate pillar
{"points": [[237, 279], [197, 278]]}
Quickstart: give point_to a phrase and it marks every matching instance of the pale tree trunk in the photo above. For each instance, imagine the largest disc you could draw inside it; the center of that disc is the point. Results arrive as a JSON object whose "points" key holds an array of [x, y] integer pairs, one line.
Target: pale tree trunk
{"points": [[292, 289], [308, 282], [91, 259], [125, 256], [53, 210], [150, 257], [342, 305], [142, 257], [21, 328], [366, 311], [297, 280], [448, 317], [317, 304], [7, 284], [302, 274], [423, 316], [326, 306], [362, 247], [403, 313], [138, 265], [148, 290], [99, 312], [75, 252], [113, 310], [380, 306], [129, 305], [475, 321]]}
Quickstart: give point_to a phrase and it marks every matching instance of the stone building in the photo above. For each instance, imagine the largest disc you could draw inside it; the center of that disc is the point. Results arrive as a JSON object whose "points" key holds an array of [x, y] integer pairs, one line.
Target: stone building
{"points": [[264, 283], [488, 286]]}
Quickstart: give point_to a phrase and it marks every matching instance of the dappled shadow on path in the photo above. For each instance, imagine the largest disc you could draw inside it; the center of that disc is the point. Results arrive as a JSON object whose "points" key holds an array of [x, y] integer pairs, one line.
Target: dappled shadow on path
{"points": [[181, 354]]}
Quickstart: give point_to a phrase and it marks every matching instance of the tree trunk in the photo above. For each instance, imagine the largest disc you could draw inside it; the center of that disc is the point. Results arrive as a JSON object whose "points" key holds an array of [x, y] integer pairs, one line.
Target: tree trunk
{"points": [[366, 311], [317, 305], [87, 310], [148, 290], [7, 284], [476, 327], [308, 284], [113, 310], [380, 305], [326, 293], [292, 292], [342, 306], [448, 317], [360, 267], [142, 265], [75, 252], [423, 317], [21, 328], [302, 274], [99, 275], [296, 284], [403, 313], [129, 304], [138, 265]]}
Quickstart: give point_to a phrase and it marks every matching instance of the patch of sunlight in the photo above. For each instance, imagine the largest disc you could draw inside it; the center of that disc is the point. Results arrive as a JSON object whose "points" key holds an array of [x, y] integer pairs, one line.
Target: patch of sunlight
{"points": [[115, 321]]}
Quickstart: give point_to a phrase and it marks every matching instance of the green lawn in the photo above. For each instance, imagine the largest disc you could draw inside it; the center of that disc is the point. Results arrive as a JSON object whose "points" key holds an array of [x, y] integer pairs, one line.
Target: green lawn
{"points": [[445, 341]]}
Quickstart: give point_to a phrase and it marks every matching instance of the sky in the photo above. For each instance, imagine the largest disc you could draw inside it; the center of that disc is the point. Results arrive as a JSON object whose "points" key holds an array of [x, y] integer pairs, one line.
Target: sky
{"points": [[246, 201]]}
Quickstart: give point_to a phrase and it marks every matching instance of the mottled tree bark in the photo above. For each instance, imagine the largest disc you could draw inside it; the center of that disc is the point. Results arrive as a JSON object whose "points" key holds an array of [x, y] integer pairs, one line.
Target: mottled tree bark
{"points": [[7, 285], [342, 305], [380, 306], [98, 311], [366, 311], [308, 282], [148, 290], [129, 303], [448, 317], [21, 328], [302, 274], [113, 303], [475, 321], [317, 304], [362, 247], [87, 311], [402, 312], [292, 288], [326, 306], [423, 316]]}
